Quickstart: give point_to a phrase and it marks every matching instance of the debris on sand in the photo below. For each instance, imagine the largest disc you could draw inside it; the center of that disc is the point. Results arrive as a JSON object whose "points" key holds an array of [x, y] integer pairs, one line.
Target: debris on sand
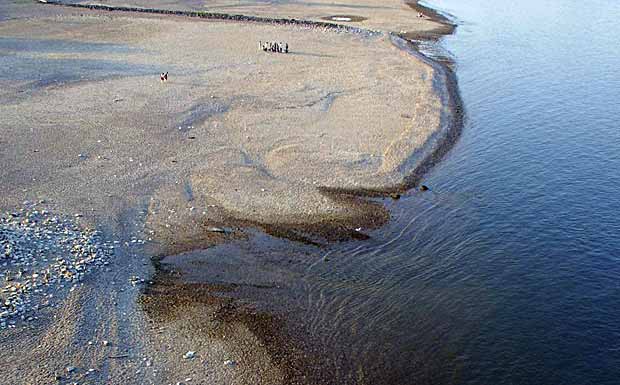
{"points": [[221, 230], [135, 280], [43, 257], [230, 363]]}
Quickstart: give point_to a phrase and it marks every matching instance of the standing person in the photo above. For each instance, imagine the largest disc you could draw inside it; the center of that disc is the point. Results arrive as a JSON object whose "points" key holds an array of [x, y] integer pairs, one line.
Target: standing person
{"points": [[161, 77], [166, 76], [286, 48]]}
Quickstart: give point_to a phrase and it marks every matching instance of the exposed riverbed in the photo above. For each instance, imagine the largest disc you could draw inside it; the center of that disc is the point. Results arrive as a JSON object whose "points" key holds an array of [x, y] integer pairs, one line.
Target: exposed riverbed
{"points": [[237, 143]]}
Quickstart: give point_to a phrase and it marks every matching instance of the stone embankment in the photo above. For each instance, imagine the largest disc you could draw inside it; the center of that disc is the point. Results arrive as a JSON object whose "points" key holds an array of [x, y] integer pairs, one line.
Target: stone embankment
{"points": [[221, 16]]}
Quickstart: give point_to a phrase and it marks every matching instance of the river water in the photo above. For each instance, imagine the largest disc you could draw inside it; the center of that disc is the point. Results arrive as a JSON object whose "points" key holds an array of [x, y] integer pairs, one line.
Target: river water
{"points": [[508, 271]]}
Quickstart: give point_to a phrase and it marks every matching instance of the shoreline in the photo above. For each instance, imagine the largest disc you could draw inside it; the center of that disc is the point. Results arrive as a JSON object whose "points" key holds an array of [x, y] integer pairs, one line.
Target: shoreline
{"points": [[449, 26], [445, 138]]}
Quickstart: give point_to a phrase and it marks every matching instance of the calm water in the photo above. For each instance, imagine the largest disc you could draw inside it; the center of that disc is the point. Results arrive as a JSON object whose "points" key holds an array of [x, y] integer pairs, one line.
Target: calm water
{"points": [[508, 272]]}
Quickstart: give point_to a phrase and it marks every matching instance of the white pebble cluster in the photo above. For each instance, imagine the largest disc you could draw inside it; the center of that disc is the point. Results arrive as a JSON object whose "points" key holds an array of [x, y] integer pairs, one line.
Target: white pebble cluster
{"points": [[42, 258]]}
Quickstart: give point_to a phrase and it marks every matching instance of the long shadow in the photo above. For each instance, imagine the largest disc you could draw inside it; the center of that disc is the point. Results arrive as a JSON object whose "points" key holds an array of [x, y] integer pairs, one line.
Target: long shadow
{"points": [[41, 72], [310, 54]]}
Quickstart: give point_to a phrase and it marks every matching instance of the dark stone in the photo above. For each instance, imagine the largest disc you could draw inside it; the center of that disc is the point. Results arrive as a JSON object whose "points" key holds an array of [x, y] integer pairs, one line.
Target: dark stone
{"points": [[220, 16]]}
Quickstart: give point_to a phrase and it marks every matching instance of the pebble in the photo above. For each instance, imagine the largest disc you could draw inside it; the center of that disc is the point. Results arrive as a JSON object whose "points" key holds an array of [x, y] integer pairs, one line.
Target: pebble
{"points": [[214, 229], [189, 355], [135, 280], [42, 257], [230, 363]]}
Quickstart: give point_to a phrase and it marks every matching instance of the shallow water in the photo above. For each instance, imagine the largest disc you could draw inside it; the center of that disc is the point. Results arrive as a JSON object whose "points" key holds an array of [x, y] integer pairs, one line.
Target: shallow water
{"points": [[507, 271]]}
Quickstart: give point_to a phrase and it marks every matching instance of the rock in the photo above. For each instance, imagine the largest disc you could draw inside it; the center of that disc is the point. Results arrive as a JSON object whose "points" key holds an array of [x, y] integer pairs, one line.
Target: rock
{"points": [[216, 229], [189, 355], [70, 369], [106, 342], [424, 188], [395, 196], [230, 363]]}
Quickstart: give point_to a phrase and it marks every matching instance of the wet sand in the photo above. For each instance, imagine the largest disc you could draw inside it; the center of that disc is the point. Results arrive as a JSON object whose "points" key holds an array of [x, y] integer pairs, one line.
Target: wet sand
{"points": [[236, 139]]}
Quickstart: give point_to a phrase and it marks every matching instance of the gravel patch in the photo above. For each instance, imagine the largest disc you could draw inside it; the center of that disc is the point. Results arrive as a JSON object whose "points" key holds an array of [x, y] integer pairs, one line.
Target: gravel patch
{"points": [[43, 257]]}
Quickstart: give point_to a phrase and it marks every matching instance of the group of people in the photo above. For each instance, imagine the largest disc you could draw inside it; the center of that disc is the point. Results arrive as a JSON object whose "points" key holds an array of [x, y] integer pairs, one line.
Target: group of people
{"points": [[163, 77], [269, 46]]}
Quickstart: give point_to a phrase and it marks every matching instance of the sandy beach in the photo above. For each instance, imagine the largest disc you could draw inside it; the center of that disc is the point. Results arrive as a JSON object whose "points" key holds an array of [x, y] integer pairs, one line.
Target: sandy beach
{"points": [[236, 139]]}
